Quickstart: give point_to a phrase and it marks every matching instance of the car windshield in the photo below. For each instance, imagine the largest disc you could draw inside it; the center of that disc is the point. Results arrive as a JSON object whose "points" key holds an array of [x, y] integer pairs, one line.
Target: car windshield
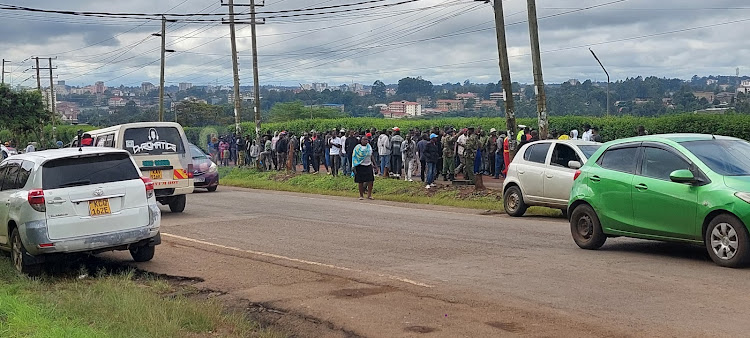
{"points": [[725, 157], [197, 153], [589, 150]]}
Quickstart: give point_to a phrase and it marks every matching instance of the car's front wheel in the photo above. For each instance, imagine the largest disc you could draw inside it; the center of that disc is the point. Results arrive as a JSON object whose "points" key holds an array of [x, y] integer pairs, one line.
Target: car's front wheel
{"points": [[513, 202], [18, 256], [142, 253], [586, 228], [212, 189], [727, 241]]}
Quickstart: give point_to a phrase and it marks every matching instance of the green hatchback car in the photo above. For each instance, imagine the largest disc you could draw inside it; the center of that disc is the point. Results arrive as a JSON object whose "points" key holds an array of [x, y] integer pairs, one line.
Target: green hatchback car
{"points": [[690, 188]]}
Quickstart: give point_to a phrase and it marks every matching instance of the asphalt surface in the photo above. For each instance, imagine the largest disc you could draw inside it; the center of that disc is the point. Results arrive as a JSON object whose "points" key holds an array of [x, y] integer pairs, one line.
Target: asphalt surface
{"points": [[374, 268]]}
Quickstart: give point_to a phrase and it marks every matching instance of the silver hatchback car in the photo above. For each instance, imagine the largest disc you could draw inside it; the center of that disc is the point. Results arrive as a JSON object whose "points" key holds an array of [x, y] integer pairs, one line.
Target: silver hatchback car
{"points": [[542, 172], [75, 200]]}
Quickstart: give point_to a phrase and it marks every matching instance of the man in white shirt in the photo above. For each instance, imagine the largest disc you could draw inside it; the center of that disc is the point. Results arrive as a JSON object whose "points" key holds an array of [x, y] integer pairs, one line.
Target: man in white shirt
{"points": [[587, 133], [337, 145], [461, 142], [30, 148], [384, 151]]}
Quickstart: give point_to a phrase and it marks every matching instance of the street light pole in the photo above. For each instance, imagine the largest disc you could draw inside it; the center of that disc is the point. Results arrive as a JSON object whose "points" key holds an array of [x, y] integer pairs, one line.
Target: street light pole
{"points": [[605, 72]]}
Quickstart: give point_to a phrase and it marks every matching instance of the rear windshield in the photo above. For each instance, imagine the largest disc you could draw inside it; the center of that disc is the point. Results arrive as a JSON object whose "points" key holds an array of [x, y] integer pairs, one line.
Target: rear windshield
{"points": [[153, 141], [79, 171]]}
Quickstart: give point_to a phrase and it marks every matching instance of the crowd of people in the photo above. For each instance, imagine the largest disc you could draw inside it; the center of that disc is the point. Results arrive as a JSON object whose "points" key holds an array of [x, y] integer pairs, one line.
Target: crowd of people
{"points": [[366, 153]]}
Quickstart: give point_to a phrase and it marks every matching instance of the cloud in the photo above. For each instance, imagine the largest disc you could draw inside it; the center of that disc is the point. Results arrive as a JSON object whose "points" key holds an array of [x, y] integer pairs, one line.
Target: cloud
{"points": [[440, 40]]}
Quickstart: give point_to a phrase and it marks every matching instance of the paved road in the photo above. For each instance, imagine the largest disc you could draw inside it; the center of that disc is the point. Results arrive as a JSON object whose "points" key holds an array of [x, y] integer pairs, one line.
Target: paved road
{"points": [[374, 268]]}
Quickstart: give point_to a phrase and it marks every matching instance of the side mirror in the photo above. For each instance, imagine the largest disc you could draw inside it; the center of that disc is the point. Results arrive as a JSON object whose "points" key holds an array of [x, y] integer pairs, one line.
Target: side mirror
{"points": [[574, 165], [682, 176]]}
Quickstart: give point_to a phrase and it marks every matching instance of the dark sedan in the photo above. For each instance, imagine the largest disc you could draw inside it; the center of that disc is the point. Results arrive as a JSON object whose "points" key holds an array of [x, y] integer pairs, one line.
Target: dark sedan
{"points": [[205, 171]]}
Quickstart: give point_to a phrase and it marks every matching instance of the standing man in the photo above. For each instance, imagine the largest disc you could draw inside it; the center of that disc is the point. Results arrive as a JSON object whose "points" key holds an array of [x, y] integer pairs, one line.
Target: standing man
{"points": [[409, 156], [587, 133], [449, 155], [293, 152], [282, 147], [307, 152], [396, 141], [431, 156], [30, 148], [351, 142], [499, 156], [421, 148], [274, 156], [595, 136], [240, 150], [492, 151], [384, 150], [470, 153], [462, 137], [335, 154]]}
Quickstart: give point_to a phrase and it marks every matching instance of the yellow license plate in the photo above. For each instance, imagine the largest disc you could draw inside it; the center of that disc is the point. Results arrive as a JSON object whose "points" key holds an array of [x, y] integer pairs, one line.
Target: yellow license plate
{"points": [[155, 174], [99, 207]]}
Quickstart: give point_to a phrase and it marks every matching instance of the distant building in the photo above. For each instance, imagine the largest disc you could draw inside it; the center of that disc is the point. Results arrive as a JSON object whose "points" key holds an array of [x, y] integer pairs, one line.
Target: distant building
{"points": [[497, 96], [319, 87], [710, 82], [466, 96], [725, 98], [146, 87], [68, 111], [744, 87], [99, 87], [574, 82], [390, 91], [185, 86], [116, 102], [449, 105], [401, 109], [704, 95], [48, 99]]}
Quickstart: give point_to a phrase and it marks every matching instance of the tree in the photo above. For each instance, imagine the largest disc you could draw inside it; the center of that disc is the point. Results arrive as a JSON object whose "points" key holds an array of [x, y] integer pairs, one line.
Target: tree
{"points": [[469, 105], [412, 88], [378, 89], [22, 112]]}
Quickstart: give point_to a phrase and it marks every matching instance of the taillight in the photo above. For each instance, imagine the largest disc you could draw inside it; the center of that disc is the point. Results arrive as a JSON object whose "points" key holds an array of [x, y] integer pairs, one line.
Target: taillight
{"points": [[36, 200], [190, 170], [149, 186], [575, 176]]}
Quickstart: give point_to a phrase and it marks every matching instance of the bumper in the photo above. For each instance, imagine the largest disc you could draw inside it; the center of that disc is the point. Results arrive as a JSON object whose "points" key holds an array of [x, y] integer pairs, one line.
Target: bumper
{"points": [[209, 180], [35, 232]]}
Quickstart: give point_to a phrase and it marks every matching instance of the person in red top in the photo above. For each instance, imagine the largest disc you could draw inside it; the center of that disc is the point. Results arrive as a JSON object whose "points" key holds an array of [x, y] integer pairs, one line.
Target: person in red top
{"points": [[87, 140]]}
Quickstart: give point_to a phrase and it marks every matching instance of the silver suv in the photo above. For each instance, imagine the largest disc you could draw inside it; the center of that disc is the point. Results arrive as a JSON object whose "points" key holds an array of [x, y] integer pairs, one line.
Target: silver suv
{"points": [[75, 200]]}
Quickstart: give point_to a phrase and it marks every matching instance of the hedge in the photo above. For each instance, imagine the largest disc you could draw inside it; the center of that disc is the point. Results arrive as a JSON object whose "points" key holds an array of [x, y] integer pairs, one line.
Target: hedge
{"points": [[611, 128]]}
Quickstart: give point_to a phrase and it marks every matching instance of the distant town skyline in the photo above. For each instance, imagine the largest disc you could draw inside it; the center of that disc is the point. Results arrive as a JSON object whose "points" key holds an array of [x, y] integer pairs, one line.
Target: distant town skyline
{"points": [[443, 41]]}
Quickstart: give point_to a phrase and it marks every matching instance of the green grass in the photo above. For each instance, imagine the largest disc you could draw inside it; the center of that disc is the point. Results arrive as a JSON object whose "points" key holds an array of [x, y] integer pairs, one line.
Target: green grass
{"points": [[384, 189], [110, 306]]}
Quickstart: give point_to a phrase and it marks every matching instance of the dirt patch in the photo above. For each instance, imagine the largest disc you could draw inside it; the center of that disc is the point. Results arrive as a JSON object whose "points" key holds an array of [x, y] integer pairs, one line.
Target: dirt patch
{"points": [[359, 293], [420, 329], [509, 327]]}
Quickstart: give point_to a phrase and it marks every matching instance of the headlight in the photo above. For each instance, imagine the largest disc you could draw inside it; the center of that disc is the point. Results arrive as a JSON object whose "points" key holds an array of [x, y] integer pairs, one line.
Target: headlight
{"points": [[213, 168], [745, 196]]}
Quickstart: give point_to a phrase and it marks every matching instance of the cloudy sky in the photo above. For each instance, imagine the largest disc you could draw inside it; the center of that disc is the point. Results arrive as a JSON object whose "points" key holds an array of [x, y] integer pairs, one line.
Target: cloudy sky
{"points": [[440, 40]]}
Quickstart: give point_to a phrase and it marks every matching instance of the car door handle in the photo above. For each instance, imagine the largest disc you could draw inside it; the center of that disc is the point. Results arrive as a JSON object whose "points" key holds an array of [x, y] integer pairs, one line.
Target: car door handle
{"points": [[57, 200], [550, 176], [595, 178], [521, 172], [641, 186]]}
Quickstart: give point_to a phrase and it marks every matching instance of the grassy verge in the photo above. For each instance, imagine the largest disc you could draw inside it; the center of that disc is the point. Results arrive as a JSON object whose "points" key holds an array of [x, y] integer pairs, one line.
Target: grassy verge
{"points": [[119, 305], [384, 189]]}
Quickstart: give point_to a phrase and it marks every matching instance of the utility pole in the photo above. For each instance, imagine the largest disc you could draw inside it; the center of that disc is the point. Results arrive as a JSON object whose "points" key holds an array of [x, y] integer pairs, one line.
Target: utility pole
{"points": [[38, 81], [536, 58], [235, 69], [502, 50], [3, 71], [52, 98], [256, 81], [605, 72], [161, 77]]}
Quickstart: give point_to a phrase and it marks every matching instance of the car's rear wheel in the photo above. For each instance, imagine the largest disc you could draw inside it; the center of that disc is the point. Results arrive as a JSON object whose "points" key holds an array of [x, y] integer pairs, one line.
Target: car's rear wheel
{"points": [[586, 228], [177, 204], [18, 256], [212, 189], [142, 253], [513, 202], [726, 240]]}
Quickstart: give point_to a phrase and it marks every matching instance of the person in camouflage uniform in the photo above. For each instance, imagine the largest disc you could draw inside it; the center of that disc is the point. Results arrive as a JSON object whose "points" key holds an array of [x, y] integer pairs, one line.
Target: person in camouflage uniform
{"points": [[449, 154], [470, 153], [484, 144]]}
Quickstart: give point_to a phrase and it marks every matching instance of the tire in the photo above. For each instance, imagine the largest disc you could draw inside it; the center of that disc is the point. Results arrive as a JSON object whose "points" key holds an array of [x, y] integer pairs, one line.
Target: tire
{"points": [[586, 228], [513, 202], [726, 240], [18, 253], [177, 204], [142, 253], [212, 189]]}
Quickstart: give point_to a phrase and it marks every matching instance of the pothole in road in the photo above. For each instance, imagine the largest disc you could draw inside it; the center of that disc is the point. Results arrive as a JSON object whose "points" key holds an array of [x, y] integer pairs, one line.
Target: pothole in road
{"points": [[420, 329], [510, 327], [363, 292]]}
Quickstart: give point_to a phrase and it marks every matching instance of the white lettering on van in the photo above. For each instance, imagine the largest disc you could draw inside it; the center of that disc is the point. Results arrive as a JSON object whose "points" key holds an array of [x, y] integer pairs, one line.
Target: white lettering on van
{"points": [[158, 145]]}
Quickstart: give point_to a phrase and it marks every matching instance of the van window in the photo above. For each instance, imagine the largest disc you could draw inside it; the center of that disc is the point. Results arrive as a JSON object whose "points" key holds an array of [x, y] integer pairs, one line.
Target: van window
{"points": [[107, 140], [79, 171], [153, 141]]}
